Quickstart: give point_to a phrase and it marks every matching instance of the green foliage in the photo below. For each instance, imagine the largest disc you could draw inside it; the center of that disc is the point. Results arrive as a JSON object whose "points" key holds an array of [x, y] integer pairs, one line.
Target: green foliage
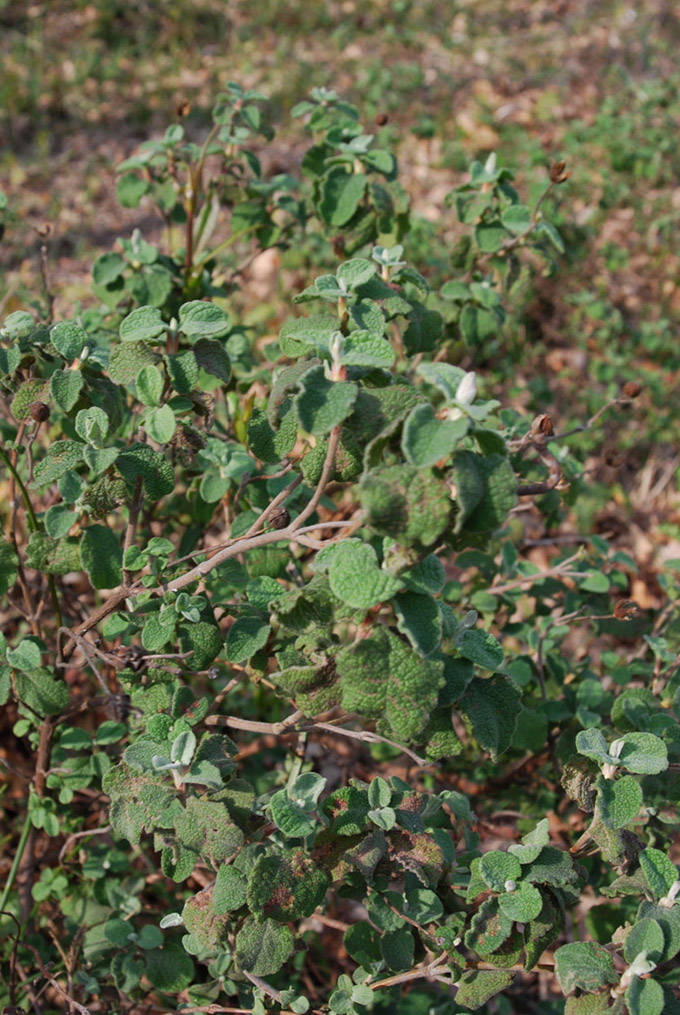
{"points": [[317, 538]]}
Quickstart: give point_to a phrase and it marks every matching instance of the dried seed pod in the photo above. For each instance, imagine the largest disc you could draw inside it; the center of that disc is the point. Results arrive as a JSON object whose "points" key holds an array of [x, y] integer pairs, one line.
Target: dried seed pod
{"points": [[613, 457], [380, 119], [182, 108], [557, 172], [39, 412], [279, 519], [626, 609], [543, 424], [632, 389]]}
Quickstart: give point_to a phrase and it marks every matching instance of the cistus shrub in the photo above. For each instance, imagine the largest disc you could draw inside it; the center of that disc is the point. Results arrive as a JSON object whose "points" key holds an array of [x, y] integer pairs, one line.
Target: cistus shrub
{"points": [[274, 650]]}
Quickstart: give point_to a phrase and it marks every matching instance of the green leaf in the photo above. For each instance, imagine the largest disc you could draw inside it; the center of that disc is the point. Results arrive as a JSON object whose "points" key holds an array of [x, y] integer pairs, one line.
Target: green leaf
{"points": [[183, 372], [107, 268], [206, 926], [269, 445], [410, 504], [160, 424], [660, 872], [668, 920], [230, 890], [207, 828], [486, 490], [323, 404], [490, 708], [65, 388], [130, 189], [245, 637], [149, 383], [379, 793], [643, 753], [68, 338], [301, 336], [26, 656], [382, 677], [420, 620], [31, 391], [646, 936], [596, 581], [497, 867], [490, 238], [169, 968], [20, 324], [480, 647], [477, 986], [443, 376], [41, 692], [645, 997], [355, 272], [543, 930], [59, 520], [619, 801], [289, 817], [489, 928], [356, 578], [262, 947], [203, 640], [92, 425], [9, 359], [99, 460], [341, 194], [212, 357], [200, 319], [144, 324], [156, 472], [424, 329], [361, 349], [517, 218], [532, 843], [397, 948], [128, 359], [286, 886], [61, 458], [522, 905], [592, 744], [427, 440], [427, 576], [101, 556], [584, 965]]}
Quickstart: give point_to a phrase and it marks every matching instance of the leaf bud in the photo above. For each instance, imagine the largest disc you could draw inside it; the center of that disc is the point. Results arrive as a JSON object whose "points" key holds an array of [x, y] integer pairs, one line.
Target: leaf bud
{"points": [[632, 389], [39, 412], [279, 519]]}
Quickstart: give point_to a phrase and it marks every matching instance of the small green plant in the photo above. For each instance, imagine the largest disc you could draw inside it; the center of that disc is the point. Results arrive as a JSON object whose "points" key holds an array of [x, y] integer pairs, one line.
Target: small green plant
{"points": [[216, 561]]}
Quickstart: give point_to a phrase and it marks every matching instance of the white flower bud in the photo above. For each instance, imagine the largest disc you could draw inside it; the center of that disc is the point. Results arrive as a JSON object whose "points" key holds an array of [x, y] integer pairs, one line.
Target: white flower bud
{"points": [[640, 966], [669, 900], [467, 389]]}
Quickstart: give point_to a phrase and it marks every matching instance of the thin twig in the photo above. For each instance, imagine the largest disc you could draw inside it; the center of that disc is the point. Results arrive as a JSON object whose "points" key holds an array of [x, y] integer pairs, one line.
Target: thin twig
{"points": [[560, 570], [135, 508]]}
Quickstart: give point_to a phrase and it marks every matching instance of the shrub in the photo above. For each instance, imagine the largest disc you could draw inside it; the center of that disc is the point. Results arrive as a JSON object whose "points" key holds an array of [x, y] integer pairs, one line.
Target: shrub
{"points": [[315, 542]]}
